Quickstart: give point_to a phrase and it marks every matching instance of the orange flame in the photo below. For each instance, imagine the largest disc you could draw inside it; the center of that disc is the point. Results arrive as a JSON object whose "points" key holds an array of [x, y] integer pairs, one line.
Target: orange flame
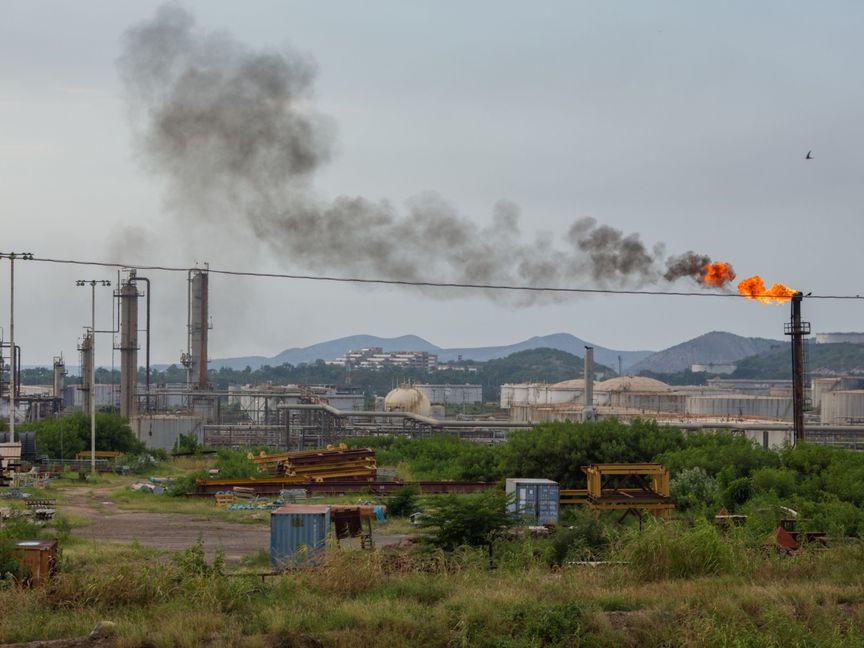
{"points": [[754, 288], [717, 274]]}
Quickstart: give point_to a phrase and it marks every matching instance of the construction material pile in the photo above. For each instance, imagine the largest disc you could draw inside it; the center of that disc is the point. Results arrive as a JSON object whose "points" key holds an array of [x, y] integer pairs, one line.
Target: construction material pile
{"points": [[332, 463]]}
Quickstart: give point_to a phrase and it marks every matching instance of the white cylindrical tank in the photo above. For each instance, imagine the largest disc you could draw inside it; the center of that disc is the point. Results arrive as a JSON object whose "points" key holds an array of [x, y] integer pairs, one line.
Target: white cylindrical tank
{"points": [[506, 396], [520, 394], [820, 386], [559, 395], [739, 406], [843, 407], [407, 399]]}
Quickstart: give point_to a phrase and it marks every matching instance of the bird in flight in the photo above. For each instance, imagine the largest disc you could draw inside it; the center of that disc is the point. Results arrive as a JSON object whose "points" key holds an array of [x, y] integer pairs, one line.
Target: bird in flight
{"points": [[809, 155]]}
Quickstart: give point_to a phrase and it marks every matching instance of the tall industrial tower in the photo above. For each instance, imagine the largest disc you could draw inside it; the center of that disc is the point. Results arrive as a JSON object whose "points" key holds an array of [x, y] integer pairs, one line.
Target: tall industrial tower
{"points": [[128, 296], [87, 388], [195, 358]]}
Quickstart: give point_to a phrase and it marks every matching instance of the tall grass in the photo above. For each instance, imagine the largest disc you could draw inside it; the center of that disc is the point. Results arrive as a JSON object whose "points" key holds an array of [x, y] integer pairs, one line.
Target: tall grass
{"points": [[663, 550], [697, 594]]}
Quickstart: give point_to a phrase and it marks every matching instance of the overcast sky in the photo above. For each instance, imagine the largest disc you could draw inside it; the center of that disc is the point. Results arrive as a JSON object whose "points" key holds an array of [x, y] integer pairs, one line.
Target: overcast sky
{"points": [[685, 122]]}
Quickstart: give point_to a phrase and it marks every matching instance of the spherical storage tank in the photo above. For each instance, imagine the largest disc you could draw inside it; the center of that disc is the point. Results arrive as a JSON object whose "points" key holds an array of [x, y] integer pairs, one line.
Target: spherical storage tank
{"points": [[406, 398]]}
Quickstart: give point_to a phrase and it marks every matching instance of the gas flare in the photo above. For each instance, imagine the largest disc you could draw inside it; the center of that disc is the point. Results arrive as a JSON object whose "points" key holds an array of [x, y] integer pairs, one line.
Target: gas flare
{"points": [[754, 288], [717, 274]]}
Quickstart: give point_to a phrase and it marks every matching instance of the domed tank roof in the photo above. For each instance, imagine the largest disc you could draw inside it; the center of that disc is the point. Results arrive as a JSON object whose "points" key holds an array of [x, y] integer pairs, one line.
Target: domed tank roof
{"points": [[631, 383], [407, 398], [573, 383]]}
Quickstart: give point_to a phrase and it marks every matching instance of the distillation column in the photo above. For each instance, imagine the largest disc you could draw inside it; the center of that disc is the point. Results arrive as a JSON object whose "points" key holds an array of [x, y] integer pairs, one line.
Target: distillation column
{"points": [[59, 381], [196, 364], [128, 295], [87, 391]]}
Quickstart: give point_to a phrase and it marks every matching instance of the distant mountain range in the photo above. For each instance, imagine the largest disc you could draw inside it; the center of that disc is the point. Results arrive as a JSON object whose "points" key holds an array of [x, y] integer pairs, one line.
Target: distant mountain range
{"points": [[716, 347], [332, 349]]}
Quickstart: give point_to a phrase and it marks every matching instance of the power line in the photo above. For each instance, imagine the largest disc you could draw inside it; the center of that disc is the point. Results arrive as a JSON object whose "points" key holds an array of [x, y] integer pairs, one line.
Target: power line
{"points": [[424, 284]]}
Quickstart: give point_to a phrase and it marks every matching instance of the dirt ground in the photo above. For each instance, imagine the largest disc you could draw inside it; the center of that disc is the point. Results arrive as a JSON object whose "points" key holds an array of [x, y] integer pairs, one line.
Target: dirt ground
{"points": [[109, 521]]}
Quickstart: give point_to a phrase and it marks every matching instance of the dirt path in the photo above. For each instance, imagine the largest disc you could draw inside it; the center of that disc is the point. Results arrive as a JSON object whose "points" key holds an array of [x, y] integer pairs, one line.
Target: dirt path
{"points": [[109, 521], [168, 531]]}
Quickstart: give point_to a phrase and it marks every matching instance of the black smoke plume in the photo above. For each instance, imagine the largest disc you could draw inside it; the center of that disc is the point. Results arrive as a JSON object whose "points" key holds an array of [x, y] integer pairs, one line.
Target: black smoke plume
{"points": [[234, 133]]}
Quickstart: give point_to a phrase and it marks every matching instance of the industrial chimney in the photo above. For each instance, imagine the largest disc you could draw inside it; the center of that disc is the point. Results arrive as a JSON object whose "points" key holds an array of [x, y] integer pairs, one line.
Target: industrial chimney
{"points": [[87, 387], [128, 295], [588, 374], [195, 360]]}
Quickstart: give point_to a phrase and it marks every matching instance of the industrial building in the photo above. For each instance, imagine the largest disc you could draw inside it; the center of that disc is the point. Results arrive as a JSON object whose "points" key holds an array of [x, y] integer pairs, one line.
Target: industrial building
{"points": [[839, 338], [452, 394], [377, 358]]}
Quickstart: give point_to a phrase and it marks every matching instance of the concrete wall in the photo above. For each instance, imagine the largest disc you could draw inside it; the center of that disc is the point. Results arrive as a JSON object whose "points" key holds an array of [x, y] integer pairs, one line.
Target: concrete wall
{"points": [[162, 430]]}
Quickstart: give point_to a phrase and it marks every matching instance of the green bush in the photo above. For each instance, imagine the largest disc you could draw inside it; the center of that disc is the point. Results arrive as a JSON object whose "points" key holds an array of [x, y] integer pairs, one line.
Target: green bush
{"points": [[9, 561], [694, 488], [736, 493], [475, 520], [64, 437], [558, 450], [403, 502], [187, 444]]}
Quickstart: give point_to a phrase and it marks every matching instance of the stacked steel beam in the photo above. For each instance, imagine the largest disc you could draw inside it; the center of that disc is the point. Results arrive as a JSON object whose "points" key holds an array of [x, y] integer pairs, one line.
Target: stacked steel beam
{"points": [[333, 463]]}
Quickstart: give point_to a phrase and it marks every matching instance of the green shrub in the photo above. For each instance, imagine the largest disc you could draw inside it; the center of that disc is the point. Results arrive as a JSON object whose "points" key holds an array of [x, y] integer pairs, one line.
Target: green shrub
{"points": [[736, 493], [187, 444], [779, 481], [403, 502], [9, 561], [475, 520], [694, 488]]}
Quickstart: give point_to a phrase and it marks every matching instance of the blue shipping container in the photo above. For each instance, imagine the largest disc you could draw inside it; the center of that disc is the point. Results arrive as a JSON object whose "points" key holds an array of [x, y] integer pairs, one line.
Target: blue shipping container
{"points": [[298, 535], [535, 500]]}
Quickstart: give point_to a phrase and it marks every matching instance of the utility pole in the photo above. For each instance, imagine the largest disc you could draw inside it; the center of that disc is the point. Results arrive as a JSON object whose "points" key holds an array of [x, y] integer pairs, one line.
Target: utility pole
{"points": [[12, 358], [12, 385], [92, 283]]}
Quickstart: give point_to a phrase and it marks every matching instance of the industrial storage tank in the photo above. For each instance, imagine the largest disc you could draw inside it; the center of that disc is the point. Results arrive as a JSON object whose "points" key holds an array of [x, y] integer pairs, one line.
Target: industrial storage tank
{"points": [[566, 391], [407, 399], [820, 386], [739, 407], [843, 407], [631, 383], [520, 393]]}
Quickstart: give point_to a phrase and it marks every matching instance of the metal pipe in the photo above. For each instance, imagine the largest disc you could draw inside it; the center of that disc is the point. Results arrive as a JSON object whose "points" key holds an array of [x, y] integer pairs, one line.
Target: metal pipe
{"points": [[440, 423], [17, 371]]}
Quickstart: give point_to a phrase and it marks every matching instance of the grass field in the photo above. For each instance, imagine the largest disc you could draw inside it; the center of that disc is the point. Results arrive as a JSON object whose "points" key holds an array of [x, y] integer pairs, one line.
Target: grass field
{"points": [[680, 584], [389, 598]]}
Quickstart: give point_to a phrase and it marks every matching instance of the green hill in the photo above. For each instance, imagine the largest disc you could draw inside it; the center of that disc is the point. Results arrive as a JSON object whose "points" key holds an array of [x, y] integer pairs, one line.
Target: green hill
{"points": [[822, 358]]}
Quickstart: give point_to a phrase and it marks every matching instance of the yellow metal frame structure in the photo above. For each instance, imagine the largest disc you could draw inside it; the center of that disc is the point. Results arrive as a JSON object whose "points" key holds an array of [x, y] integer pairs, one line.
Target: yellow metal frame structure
{"points": [[653, 498]]}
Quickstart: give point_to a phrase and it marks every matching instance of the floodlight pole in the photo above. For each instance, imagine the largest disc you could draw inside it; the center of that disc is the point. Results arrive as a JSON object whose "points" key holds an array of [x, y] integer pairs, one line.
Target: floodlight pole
{"points": [[13, 361], [12, 348], [93, 284]]}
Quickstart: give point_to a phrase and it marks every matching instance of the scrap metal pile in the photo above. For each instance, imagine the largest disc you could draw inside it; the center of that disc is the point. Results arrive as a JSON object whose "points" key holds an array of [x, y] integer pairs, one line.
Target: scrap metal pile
{"points": [[329, 464]]}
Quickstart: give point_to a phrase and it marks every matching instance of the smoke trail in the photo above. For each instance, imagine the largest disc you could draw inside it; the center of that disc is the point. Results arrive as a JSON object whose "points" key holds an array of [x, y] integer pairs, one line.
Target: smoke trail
{"points": [[235, 135]]}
